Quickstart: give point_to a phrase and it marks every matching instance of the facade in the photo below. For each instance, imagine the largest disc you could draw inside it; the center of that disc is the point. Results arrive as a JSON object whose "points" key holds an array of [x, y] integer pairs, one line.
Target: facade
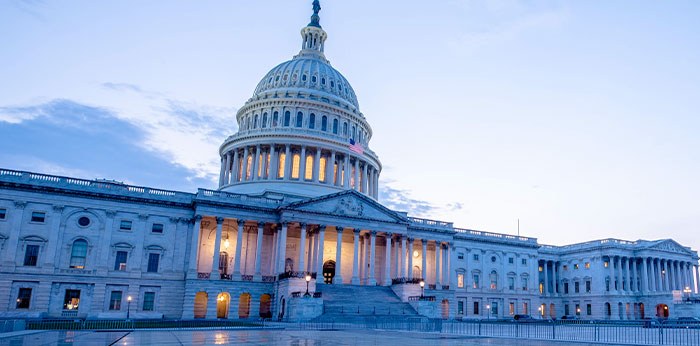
{"points": [[298, 195]]}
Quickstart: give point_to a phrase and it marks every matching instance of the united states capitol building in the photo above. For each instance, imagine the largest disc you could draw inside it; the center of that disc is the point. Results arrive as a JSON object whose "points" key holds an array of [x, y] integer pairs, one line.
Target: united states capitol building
{"points": [[295, 231]]}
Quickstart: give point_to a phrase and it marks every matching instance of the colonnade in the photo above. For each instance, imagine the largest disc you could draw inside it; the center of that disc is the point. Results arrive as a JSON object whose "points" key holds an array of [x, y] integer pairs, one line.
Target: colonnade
{"points": [[651, 274], [286, 162]]}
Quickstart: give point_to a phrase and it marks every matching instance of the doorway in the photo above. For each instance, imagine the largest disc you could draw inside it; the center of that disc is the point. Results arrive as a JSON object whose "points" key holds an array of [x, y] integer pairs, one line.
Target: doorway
{"points": [[328, 272], [662, 311]]}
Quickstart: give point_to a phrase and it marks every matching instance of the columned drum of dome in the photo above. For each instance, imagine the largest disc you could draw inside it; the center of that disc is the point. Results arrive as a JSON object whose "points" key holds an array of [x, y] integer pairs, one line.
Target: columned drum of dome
{"points": [[302, 132]]}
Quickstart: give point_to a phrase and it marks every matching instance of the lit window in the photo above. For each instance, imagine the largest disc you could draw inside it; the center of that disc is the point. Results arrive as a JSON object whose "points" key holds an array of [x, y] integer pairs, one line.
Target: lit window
{"points": [[157, 228], [460, 280], [78, 254], [309, 174], [335, 173], [125, 225], [31, 255], [267, 165], [153, 260], [115, 300], [280, 171], [38, 216], [3, 213], [120, 261], [296, 158], [475, 282], [576, 266], [71, 300], [606, 264], [249, 168], [588, 265], [493, 278], [149, 299], [24, 297], [540, 269], [260, 159], [511, 308], [322, 170]]}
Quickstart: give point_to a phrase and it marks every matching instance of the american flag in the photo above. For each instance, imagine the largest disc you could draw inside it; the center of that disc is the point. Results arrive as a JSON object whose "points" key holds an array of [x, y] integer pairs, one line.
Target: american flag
{"points": [[356, 147]]}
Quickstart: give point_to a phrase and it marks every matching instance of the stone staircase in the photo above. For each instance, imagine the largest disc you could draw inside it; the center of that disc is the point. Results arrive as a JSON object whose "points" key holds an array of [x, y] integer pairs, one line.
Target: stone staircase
{"points": [[346, 303]]}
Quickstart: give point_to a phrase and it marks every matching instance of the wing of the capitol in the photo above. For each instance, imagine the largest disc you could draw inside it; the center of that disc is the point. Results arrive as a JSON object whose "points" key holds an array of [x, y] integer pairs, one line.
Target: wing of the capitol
{"points": [[295, 232]]}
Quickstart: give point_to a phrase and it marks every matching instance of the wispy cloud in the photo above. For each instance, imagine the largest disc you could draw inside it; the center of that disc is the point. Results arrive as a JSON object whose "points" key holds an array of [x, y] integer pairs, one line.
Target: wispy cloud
{"points": [[401, 200]]}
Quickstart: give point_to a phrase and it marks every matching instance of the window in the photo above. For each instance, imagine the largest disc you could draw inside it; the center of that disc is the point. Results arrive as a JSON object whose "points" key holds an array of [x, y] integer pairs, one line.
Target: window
{"points": [[566, 288], [120, 261], [460, 280], [312, 121], [264, 121], [526, 309], [523, 283], [322, 169], [493, 278], [223, 262], [287, 117], [3, 213], [476, 308], [324, 123], [475, 281], [565, 267], [606, 264], [303, 78], [296, 159], [345, 129], [540, 269], [280, 171], [523, 261], [309, 169], [153, 260], [511, 283], [475, 257], [255, 122], [71, 300], [460, 255], [323, 81], [275, 118], [578, 310], [353, 132], [149, 299], [511, 308], [588, 286], [589, 309], [300, 119], [607, 284], [157, 228], [587, 265], [313, 79], [84, 221], [511, 260], [31, 255], [24, 297], [38, 216], [566, 309], [335, 126], [493, 259], [125, 225], [576, 266], [460, 308], [78, 254], [577, 287], [115, 300]]}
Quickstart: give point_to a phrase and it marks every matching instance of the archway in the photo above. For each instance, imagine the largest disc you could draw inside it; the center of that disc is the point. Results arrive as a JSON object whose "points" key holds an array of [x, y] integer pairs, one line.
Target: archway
{"points": [[641, 310], [608, 311], [265, 305], [328, 272], [200, 305], [222, 303], [288, 265], [244, 305], [552, 311], [662, 311], [445, 305]]}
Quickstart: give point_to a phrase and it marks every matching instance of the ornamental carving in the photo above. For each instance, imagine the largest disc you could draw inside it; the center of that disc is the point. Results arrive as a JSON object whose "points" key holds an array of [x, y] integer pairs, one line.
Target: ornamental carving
{"points": [[348, 206], [670, 246]]}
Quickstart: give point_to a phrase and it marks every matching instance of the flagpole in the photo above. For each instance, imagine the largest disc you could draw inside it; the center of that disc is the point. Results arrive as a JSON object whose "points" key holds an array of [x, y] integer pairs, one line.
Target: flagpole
{"points": [[518, 227]]}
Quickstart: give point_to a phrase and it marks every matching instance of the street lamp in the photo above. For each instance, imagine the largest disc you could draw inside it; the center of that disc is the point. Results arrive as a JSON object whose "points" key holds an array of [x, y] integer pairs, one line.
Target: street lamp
{"points": [[128, 306], [578, 311], [488, 311], [687, 291], [308, 279], [422, 286], [539, 309]]}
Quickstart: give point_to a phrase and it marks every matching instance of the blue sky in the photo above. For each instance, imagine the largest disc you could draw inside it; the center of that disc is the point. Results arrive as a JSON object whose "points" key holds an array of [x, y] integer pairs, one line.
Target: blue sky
{"points": [[579, 118]]}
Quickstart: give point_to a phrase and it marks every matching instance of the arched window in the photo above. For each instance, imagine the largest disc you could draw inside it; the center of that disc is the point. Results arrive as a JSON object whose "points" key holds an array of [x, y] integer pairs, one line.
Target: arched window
{"points": [[312, 121], [275, 118], [287, 115], [324, 123], [281, 165], [300, 118], [264, 120], [353, 132], [335, 126], [296, 159], [250, 167], [345, 128], [309, 174], [247, 123], [255, 122], [493, 278], [322, 169], [78, 254]]}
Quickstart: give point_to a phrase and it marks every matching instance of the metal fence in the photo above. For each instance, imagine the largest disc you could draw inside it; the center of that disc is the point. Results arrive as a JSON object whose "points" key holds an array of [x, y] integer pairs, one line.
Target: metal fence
{"points": [[139, 324], [7, 326]]}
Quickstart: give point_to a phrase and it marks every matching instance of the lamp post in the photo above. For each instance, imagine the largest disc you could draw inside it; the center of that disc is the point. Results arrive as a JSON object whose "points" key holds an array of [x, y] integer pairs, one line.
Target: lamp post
{"points": [[687, 291], [578, 311], [308, 279], [539, 309], [422, 286], [128, 307], [488, 311]]}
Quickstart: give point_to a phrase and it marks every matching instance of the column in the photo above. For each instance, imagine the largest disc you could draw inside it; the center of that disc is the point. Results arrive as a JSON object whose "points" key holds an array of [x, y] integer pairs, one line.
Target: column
{"points": [[356, 257], [410, 258], [696, 275], [244, 172], [317, 166], [338, 279], [424, 257], [628, 274], [401, 257], [556, 268], [546, 278], [356, 186], [302, 164], [274, 163], [194, 247], [664, 275], [275, 249], [363, 186], [256, 164], [438, 255], [634, 275], [387, 260], [654, 275], [319, 260], [302, 247], [258, 251], [310, 263], [611, 269], [215, 274], [234, 168], [287, 162], [346, 171], [645, 277], [239, 242], [372, 252], [222, 174], [619, 274], [451, 272], [282, 243], [330, 163]]}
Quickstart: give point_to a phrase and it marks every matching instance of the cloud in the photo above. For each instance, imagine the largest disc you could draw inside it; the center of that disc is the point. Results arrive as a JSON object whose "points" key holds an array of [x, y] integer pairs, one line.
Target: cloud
{"points": [[122, 87], [400, 200]]}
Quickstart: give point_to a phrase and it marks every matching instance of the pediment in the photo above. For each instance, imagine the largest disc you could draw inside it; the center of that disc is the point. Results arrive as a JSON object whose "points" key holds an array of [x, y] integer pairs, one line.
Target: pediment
{"points": [[670, 246], [347, 204]]}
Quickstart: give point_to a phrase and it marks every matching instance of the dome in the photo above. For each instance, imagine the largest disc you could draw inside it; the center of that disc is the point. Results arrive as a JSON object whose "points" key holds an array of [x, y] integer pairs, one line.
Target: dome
{"points": [[308, 73]]}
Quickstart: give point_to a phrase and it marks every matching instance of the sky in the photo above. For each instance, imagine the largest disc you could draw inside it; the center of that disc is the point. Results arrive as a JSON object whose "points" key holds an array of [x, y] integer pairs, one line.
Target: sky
{"points": [[581, 119]]}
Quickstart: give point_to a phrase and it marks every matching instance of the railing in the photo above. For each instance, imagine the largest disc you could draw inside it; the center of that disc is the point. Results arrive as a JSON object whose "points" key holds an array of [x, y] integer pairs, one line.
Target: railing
{"points": [[97, 184], [399, 281], [298, 275], [500, 236], [318, 294], [367, 310], [69, 313], [592, 244], [203, 276], [73, 324], [226, 276], [7, 326], [421, 298], [238, 197], [429, 222], [445, 287], [269, 278], [247, 277], [432, 286]]}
